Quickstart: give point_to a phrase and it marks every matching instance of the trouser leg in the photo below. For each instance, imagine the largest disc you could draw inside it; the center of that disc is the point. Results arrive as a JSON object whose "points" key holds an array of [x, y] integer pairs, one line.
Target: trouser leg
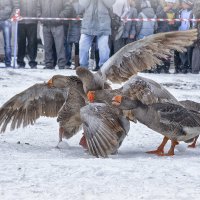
{"points": [[58, 35], [48, 44], [31, 30], [104, 50], [84, 46], [21, 39], [6, 28]]}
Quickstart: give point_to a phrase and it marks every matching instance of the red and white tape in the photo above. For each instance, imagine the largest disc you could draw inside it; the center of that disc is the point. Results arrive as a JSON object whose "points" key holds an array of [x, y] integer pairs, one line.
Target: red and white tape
{"points": [[19, 18]]}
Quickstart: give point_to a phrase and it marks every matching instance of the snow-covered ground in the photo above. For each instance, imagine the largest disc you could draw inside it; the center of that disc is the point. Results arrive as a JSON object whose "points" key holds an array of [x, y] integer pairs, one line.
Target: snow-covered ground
{"points": [[32, 168]]}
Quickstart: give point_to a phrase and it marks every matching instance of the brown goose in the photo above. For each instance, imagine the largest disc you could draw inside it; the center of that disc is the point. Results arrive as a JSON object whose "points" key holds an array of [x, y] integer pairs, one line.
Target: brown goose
{"points": [[145, 90], [171, 120], [104, 128], [43, 100], [137, 88], [136, 57], [63, 97]]}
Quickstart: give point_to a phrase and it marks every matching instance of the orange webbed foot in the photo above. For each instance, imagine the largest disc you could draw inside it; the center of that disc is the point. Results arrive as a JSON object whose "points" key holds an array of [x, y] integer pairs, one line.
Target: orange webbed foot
{"points": [[156, 152], [83, 142], [192, 145], [166, 154]]}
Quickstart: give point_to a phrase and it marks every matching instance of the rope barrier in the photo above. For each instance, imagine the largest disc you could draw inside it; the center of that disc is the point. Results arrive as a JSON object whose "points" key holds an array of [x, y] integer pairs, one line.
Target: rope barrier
{"points": [[18, 17], [127, 19]]}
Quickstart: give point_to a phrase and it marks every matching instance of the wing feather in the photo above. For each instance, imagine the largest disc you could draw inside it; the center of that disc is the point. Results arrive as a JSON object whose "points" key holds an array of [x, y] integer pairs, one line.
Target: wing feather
{"points": [[145, 54], [26, 107], [103, 129]]}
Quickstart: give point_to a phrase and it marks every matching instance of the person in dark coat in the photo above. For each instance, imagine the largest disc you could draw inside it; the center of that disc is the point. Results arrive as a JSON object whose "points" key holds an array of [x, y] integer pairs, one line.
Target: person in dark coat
{"points": [[53, 31], [128, 31], [144, 29], [7, 10], [27, 34], [167, 11], [73, 33], [185, 65]]}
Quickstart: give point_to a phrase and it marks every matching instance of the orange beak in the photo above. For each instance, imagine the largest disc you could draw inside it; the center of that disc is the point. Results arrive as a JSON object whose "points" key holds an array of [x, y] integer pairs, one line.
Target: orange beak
{"points": [[117, 100], [50, 83], [91, 96]]}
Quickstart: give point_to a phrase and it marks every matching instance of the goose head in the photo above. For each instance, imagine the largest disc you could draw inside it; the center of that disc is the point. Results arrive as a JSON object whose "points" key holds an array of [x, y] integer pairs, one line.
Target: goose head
{"points": [[57, 81], [124, 102], [91, 81]]}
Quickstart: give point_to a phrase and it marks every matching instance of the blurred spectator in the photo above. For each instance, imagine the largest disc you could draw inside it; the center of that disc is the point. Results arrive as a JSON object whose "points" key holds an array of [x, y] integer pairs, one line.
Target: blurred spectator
{"points": [[7, 9], [121, 8], [27, 34], [138, 5], [185, 57], [147, 28], [124, 33], [119, 13], [167, 11], [73, 34], [154, 4], [96, 22], [41, 36], [196, 50], [53, 31], [130, 26]]}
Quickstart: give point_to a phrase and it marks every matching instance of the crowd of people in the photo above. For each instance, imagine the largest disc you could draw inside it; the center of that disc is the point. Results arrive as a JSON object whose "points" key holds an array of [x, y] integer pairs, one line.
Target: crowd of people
{"points": [[103, 30]]}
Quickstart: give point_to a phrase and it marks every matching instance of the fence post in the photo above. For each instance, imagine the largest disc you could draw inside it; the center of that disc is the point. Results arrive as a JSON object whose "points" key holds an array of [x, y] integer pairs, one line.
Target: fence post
{"points": [[15, 44]]}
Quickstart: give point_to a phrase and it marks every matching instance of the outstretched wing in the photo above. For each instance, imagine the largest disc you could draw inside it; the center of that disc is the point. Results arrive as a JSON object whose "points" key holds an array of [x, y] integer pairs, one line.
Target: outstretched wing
{"points": [[26, 107], [102, 128], [145, 54], [69, 114]]}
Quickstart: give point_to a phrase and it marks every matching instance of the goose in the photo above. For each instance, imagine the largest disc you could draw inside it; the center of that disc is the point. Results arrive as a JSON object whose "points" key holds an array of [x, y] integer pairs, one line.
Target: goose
{"points": [[42, 99], [173, 121], [104, 128], [145, 90], [48, 98]]}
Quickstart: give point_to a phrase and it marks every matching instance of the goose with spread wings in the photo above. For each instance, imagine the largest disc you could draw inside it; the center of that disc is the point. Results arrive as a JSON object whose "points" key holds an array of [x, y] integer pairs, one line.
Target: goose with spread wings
{"points": [[63, 97], [47, 99]]}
